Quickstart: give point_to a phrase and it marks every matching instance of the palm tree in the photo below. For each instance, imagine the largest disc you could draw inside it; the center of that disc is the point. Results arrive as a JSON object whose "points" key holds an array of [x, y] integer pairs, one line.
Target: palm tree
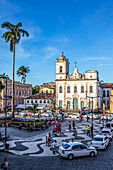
{"points": [[13, 35], [34, 110], [22, 72]]}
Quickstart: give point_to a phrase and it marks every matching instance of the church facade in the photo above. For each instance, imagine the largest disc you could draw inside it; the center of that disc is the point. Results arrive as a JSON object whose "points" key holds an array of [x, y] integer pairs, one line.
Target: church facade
{"points": [[75, 91]]}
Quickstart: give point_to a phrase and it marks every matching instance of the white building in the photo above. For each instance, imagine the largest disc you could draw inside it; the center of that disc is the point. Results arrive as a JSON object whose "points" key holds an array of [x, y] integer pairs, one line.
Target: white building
{"points": [[104, 92], [74, 91]]}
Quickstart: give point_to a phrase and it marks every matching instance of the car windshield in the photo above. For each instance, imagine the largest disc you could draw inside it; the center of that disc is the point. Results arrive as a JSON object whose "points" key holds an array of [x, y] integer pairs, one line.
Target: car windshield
{"points": [[105, 131], [98, 139], [66, 146]]}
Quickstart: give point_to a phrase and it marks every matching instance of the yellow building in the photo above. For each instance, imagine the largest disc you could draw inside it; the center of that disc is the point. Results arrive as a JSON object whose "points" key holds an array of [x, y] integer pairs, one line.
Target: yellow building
{"points": [[111, 102]]}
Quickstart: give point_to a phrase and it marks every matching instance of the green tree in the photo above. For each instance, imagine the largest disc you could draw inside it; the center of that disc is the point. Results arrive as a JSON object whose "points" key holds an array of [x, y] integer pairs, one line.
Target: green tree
{"points": [[13, 36], [101, 81], [33, 110], [35, 89], [22, 71]]}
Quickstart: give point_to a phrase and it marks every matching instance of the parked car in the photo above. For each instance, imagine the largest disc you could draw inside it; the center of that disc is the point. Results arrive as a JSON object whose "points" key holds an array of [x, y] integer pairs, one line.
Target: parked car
{"points": [[107, 132], [109, 117], [90, 116], [74, 115], [76, 149], [109, 125], [100, 142]]}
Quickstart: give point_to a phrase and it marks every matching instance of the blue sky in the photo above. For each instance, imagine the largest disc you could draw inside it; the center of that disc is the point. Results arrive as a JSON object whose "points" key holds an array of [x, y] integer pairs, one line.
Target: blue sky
{"points": [[82, 29]]}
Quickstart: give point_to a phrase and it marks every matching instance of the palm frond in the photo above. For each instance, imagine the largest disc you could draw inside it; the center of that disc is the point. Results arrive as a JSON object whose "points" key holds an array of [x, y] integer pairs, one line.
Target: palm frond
{"points": [[7, 25], [23, 32]]}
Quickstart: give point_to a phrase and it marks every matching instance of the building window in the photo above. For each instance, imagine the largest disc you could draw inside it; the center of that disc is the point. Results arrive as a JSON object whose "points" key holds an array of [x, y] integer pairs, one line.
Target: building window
{"points": [[20, 93], [107, 103], [35, 101], [17, 93], [48, 101], [107, 93], [68, 89], [82, 89], [26, 93], [75, 89], [40, 101], [44, 101], [68, 104], [27, 101], [42, 91], [50, 91], [91, 89], [60, 69], [23, 93], [103, 93], [46, 91], [31, 101], [60, 89], [60, 103]]}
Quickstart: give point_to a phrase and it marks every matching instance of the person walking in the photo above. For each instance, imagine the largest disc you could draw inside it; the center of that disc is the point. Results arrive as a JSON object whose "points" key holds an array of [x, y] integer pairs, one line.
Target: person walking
{"points": [[5, 164], [87, 118], [73, 124], [54, 146], [75, 132], [92, 131], [49, 139], [88, 130], [69, 124]]}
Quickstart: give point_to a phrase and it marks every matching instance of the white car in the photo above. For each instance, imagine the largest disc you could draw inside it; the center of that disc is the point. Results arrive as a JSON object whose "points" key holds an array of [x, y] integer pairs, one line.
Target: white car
{"points": [[76, 149], [90, 116], [74, 115], [110, 125], [107, 132], [109, 117], [100, 142]]}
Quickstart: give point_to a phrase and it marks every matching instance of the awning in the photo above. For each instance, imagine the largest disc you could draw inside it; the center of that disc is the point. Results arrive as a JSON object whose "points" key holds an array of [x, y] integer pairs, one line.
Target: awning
{"points": [[59, 107]]}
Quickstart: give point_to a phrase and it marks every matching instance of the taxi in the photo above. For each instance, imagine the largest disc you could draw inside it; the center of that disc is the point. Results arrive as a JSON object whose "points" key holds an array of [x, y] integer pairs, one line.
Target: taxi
{"points": [[76, 149], [107, 132], [100, 142]]}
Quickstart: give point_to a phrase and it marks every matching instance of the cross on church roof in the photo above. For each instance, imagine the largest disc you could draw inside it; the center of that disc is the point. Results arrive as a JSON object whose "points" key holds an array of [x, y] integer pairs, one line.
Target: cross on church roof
{"points": [[62, 53], [75, 64]]}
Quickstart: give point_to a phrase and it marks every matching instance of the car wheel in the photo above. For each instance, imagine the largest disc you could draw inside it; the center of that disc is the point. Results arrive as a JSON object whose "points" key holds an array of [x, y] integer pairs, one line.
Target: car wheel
{"points": [[70, 156], [109, 142], [105, 148], [92, 154]]}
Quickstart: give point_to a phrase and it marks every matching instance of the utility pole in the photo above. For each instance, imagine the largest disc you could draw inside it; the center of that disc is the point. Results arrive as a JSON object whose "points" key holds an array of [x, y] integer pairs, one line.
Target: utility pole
{"points": [[6, 114]]}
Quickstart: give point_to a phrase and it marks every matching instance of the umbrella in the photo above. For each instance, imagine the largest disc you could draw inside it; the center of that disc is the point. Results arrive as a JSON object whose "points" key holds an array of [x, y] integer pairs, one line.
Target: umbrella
{"points": [[59, 107], [84, 107], [54, 122]]}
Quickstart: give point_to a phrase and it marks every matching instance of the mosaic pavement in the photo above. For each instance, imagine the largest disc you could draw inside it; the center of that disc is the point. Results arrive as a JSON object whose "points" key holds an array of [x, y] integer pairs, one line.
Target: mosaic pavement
{"points": [[36, 146]]}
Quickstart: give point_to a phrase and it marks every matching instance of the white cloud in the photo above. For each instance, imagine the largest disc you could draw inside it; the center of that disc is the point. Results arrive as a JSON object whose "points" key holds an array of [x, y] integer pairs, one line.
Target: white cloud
{"points": [[107, 64], [96, 58], [61, 39], [49, 52]]}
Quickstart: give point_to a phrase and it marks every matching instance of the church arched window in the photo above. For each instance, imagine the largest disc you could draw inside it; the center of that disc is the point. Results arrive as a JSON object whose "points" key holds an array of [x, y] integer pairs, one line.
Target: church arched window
{"points": [[75, 89], [60, 89], [82, 89], [68, 89], [60, 69], [91, 89]]}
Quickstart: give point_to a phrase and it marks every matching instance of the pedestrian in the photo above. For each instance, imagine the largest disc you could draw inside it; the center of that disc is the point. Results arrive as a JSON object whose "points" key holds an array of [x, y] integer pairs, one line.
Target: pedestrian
{"points": [[69, 125], [60, 128], [75, 133], [49, 139], [87, 118], [54, 146], [72, 140], [5, 164], [73, 124], [88, 130]]}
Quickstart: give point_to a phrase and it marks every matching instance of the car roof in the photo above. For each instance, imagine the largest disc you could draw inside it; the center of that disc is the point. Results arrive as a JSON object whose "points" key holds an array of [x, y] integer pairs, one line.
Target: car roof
{"points": [[99, 136], [106, 129], [75, 143]]}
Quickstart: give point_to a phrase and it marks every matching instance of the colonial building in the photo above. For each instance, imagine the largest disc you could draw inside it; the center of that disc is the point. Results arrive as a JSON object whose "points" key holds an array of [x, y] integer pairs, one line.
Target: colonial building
{"points": [[45, 99], [104, 94], [21, 91], [48, 88], [111, 102], [74, 91]]}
